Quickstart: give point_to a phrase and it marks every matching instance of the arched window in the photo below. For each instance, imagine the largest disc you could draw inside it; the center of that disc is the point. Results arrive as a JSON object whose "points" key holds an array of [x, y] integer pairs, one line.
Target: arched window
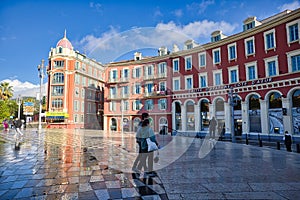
{"points": [[177, 116], [254, 114], [296, 111], [204, 113], [190, 116], [275, 113], [113, 126], [219, 105], [58, 78], [57, 103]]}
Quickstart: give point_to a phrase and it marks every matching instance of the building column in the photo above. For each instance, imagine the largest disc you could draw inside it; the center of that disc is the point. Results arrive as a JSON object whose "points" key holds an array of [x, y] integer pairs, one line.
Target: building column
{"points": [[173, 116], [212, 110], [183, 117], [245, 117], [287, 119], [197, 117], [227, 112], [264, 116], [105, 123]]}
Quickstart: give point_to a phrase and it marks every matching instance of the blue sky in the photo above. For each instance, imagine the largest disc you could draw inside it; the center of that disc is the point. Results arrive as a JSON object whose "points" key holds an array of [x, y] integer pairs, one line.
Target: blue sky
{"points": [[28, 29]]}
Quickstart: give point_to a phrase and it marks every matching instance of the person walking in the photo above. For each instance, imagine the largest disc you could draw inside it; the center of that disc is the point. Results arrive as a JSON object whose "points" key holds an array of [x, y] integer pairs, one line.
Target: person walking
{"points": [[212, 127], [146, 132], [288, 141], [5, 125], [136, 167], [18, 124]]}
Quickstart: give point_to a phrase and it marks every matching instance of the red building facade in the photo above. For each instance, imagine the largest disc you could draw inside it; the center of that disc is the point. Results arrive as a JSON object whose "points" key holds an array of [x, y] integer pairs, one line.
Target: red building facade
{"points": [[249, 81]]}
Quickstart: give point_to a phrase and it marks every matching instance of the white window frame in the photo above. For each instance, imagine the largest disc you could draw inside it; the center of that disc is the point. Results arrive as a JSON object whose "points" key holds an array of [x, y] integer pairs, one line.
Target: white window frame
{"points": [[270, 59], [112, 106], [289, 55], [199, 59], [111, 75], [185, 62], [237, 73], [146, 87], [247, 65], [146, 104], [176, 79], [160, 103], [185, 82], [246, 47], [162, 65], [134, 105], [228, 50], [221, 76], [173, 62], [125, 105], [134, 72], [266, 41], [213, 54], [82, 106], [200, 75], [288, 31], [146, 74], [164, 83], [135, 86], [123, 74]]}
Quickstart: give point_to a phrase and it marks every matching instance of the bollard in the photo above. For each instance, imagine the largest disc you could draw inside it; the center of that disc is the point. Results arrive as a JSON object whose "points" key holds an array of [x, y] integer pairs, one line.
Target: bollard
{"points": [[259, 140], [298, 148], [278, 145]]}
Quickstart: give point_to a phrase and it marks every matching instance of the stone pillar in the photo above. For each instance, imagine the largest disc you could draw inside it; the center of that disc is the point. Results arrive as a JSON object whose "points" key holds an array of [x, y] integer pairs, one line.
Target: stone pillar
{"points": [[287, 119], [183, 117], [264, 116], [173, 116], [197, 117], [105, 127], [245, 117], [227, 118]]}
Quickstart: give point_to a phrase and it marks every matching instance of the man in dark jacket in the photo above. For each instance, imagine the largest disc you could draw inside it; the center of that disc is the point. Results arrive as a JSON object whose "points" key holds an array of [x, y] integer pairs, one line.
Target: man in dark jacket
{"points": [[288, 141]]}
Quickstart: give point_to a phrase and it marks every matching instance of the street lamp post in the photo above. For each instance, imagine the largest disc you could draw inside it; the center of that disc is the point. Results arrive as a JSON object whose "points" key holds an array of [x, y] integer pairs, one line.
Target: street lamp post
{"points": [[19, 106], [41, 75], [122, 115]]}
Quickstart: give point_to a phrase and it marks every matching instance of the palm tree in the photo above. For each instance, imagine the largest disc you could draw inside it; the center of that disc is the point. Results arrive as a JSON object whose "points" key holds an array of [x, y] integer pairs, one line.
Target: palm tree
{"points": [[6, 91]]}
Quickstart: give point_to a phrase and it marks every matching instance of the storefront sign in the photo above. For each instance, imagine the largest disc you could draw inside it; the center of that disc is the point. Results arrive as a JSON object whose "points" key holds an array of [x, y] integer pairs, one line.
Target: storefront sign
{"points": [[57, 115], [240, 84]]}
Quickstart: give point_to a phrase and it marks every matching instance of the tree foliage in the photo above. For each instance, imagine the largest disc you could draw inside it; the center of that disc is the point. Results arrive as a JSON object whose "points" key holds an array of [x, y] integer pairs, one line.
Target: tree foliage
{"points": [[6, 91]]}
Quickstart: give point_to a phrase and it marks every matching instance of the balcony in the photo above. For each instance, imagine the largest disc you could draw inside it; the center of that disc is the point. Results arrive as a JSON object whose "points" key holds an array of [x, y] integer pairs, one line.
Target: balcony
{"points": [[113, 96], [113, 80], [124, 79], [149, 77], [162, 75], [155, 94]]}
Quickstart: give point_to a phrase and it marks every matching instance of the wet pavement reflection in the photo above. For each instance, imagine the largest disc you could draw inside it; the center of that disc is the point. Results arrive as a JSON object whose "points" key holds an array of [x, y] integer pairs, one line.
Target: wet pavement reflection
{"points": [[73, 164]]}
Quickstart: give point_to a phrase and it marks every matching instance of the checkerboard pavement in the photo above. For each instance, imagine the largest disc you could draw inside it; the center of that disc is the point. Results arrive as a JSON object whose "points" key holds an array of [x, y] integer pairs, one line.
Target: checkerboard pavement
{"points": [[72, 164]]}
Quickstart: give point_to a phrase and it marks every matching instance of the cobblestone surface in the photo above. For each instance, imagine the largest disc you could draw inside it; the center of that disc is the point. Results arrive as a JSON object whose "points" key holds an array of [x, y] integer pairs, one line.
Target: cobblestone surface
{"points": [[86, 164]]}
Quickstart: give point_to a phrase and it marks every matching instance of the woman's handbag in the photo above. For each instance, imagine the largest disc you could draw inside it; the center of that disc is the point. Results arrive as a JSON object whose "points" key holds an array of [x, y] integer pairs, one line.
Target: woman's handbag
{"points": [[151, 145]]}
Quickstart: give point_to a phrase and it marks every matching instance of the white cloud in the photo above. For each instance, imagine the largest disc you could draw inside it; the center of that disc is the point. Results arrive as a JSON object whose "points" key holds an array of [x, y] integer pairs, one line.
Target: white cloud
{"points": [[112, 44], [289, 6], [25, 89], [178, 13], [96, 6], [200, 7]]}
